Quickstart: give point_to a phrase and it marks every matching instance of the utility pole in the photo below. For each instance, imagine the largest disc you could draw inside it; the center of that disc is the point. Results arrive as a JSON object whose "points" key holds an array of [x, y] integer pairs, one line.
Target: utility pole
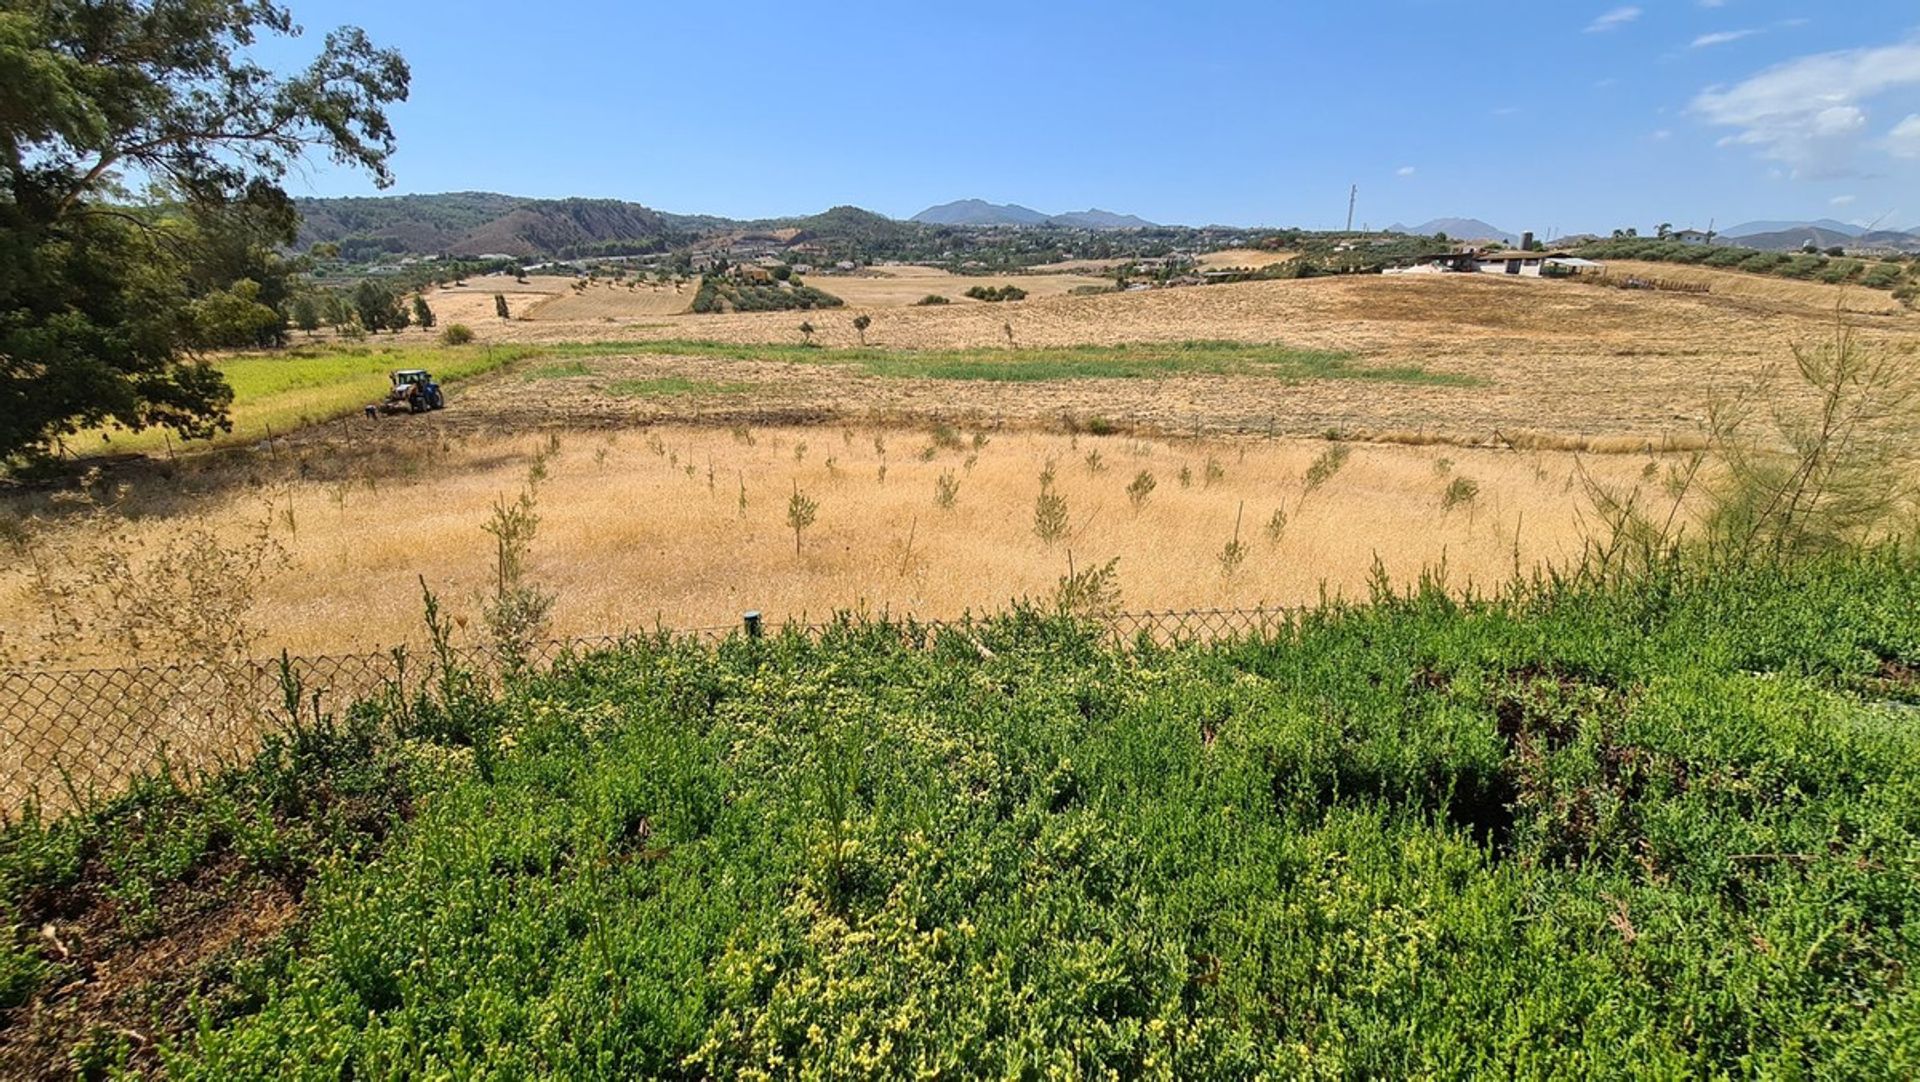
{"points": [[1353, 193]]}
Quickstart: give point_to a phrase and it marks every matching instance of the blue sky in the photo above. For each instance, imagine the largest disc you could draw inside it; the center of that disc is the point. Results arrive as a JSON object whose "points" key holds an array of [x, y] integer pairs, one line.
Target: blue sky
{"points": [[1550, 115]]}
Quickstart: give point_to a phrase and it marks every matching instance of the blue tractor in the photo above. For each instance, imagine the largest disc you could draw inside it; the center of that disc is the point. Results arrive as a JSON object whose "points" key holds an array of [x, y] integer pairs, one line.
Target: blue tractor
{"points": [[414, 391]]}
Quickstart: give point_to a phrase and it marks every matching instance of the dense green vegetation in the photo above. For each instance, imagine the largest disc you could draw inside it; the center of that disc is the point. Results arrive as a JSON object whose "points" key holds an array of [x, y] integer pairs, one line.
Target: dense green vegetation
{"points": [[1140, 360], [726, 294], [1669, 828], [997, 293]]}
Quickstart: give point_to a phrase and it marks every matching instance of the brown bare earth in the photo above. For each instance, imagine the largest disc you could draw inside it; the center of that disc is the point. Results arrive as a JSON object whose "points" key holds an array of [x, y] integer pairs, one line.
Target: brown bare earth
{"points": [[130, 980]]}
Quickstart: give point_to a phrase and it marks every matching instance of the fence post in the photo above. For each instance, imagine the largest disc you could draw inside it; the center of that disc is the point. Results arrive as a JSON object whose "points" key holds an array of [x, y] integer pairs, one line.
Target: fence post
{"points": [[751, 620]]}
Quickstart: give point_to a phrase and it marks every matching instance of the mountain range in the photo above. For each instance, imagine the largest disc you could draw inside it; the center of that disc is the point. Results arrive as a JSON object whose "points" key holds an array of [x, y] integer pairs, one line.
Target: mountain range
{"points": [[486, 223], [1458, 229], [979, 212]]}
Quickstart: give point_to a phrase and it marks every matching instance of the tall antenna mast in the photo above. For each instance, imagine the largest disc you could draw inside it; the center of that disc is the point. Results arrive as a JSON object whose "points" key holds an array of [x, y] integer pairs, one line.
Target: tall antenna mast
{"points": [[1353, 193]]}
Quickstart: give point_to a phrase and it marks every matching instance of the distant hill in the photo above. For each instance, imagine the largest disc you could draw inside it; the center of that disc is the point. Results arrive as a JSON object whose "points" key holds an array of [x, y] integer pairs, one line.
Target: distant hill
{"points": [[480, 223], [484, 223], [1095, 218], [1748, 229], [1794, 238], [851, 224], [1457, 229], [979, 212]]}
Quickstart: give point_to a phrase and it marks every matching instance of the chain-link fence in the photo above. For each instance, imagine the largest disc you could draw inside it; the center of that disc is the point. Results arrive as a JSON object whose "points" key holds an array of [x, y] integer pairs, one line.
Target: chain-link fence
{"points": [[72, 736]]}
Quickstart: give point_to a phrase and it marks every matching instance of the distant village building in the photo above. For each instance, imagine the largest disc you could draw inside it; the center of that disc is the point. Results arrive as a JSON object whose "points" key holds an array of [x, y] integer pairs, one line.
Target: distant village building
{"points": [[1691, 236], [1522, 264]]}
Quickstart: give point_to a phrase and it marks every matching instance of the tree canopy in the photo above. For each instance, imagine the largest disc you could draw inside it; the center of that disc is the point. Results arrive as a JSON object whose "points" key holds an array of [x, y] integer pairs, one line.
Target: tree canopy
{"points": [[141, 213]]}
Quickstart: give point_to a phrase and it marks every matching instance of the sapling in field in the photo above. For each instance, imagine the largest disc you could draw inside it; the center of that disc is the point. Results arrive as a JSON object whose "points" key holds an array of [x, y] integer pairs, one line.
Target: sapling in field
{"points": [[1049, 515], [516, 614], [946, 488], [860, 324], [1277, 525], [1140, 488], [1322, 469], [1460, 490], [1235, 552], [800, 514]]}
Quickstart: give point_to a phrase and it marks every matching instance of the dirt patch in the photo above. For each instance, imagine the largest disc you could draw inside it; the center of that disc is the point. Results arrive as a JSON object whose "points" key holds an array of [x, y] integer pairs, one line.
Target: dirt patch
{"points": [[115, 993]]}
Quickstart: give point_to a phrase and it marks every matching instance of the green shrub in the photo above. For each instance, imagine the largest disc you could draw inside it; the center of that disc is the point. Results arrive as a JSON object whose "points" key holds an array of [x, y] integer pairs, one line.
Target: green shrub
{"points": [[1597, 832], [456, 334]]}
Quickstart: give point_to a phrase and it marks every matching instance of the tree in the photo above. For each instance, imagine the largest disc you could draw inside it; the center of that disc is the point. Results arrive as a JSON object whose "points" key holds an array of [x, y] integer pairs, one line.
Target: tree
{"points": [[806, 332], [103, 304], [1663, 230], [234, 318], [500, 306], [800, 513], [860, 324], [306, 313], [374, 304], [422, 314]]}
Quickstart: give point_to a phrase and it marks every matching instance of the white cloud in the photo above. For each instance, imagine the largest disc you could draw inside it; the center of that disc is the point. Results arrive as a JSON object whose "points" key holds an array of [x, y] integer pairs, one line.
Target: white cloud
{"points": [[1841, 201], [1505, 110], [1904, 140], [1405, 171], [1613, 20], [1809, 112], [1713, 3], [1722, 37], [1662, 135]]}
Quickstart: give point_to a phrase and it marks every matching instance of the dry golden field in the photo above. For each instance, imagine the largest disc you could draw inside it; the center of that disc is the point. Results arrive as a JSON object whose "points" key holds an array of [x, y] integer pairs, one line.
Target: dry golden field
{"points": [[901, 285], [629, 535], [687, 526], [1243, 258], [1552, 363], [612, 302], [1812, 298], [472, 303]]}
